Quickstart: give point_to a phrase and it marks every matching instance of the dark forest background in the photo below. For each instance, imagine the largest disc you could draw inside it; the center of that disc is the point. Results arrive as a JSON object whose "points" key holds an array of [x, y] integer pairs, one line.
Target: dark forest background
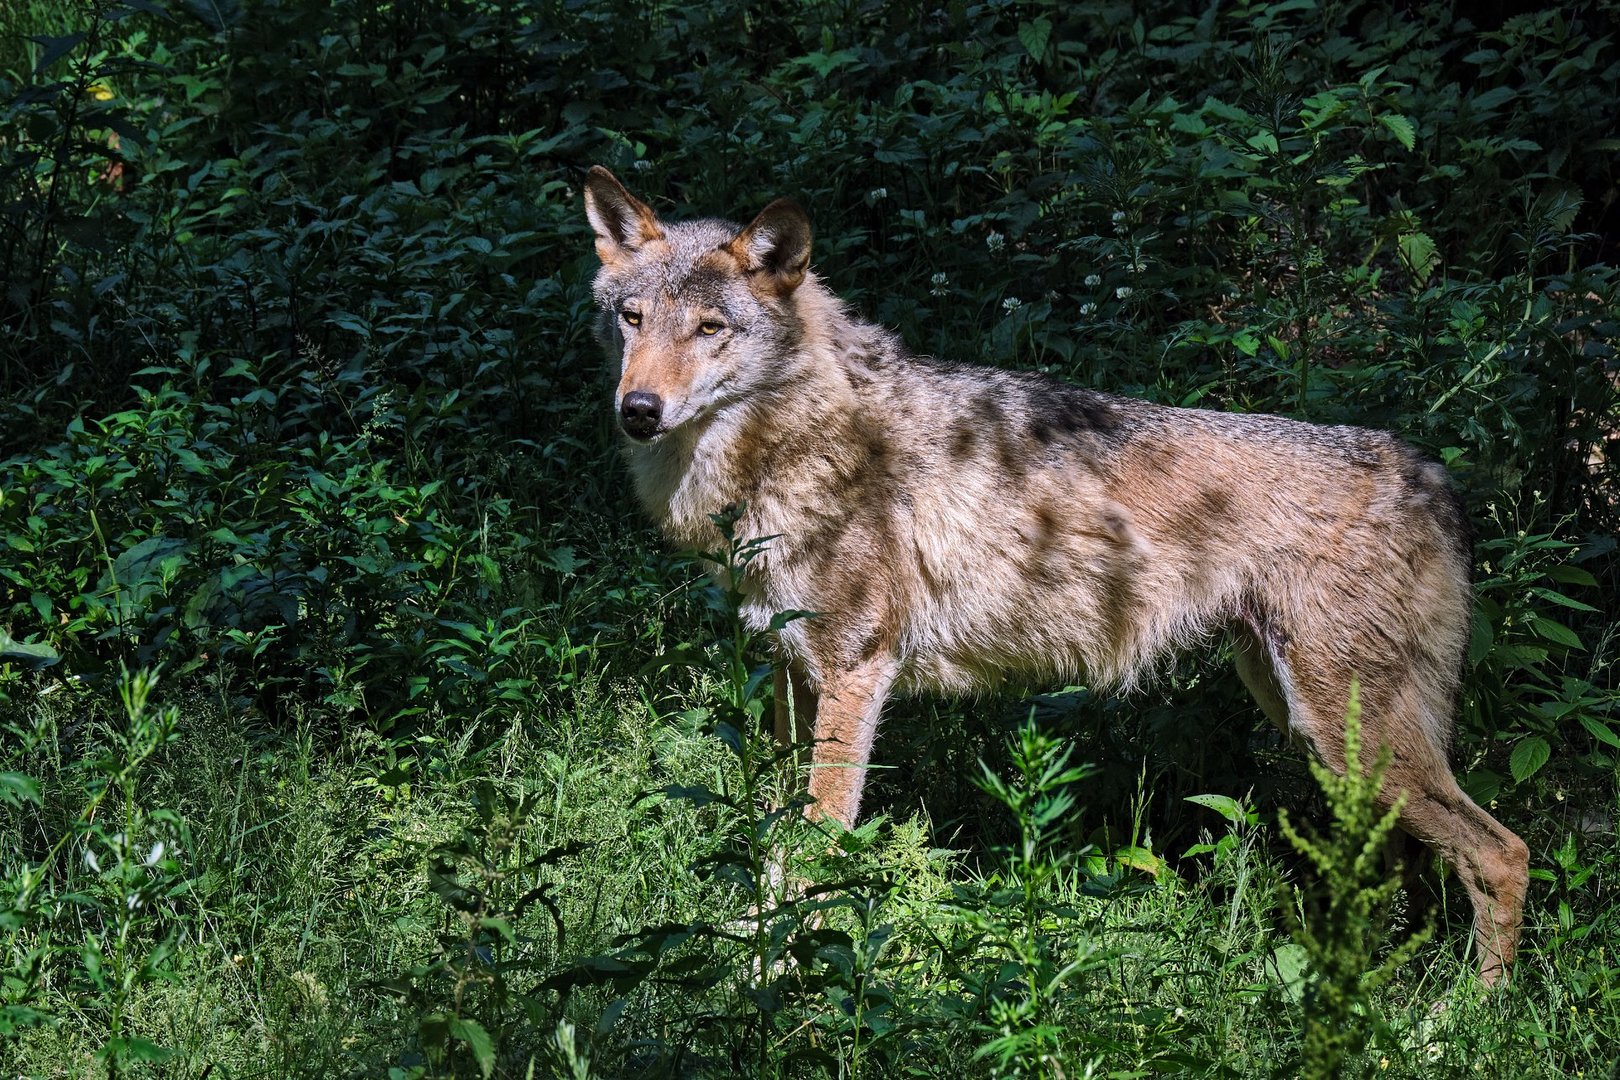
{"points": [[354, 723]]}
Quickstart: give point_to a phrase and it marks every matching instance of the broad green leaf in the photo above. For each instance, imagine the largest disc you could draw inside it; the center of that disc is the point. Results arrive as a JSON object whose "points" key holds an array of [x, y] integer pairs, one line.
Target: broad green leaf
{"points": [[1528, 758], [1263, 140], [1555, 632], [1572, 575], [1224, 805], [1291, 964], [1035, 37], [1418, 252], [141, 560], [53, 49], [1598, 729], [1480, 639], [1139, 858], [219, 15], [135, 1048], [1400, 127], [29, 654], [1562, 600]]}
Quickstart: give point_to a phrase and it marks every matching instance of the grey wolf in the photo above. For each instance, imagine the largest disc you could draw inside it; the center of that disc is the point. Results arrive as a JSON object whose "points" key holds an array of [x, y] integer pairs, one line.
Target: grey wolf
{"points": [[954, 524]]}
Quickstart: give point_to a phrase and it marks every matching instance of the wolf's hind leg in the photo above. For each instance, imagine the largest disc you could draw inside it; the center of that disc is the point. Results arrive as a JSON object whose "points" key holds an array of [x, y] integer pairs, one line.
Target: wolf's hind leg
{"points": [[1492, 863]]}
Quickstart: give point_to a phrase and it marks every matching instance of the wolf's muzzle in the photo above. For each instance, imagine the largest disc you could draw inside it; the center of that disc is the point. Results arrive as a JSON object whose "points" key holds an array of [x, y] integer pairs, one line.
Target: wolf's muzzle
{"points": [[639, 414]]}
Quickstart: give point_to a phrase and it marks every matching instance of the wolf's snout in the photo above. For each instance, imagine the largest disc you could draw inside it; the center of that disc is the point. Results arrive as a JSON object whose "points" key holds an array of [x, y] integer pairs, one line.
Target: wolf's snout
{"points": [[639, 413]]}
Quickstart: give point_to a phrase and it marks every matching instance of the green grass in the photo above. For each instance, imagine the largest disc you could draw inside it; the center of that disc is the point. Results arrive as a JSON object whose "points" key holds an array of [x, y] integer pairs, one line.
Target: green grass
{"points": [[28, 19], [308, 890]]}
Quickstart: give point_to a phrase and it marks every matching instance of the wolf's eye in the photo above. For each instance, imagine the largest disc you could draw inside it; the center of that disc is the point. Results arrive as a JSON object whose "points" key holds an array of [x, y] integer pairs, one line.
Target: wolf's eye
{"points": [[631, 317], [709, 328]]}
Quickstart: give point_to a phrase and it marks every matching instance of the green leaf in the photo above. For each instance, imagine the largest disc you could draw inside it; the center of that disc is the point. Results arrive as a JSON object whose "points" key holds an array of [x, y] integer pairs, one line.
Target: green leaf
{"points": [[140, 561], [1562, 600], [53, 49], [135, 1048], [33, 655], [1418, 252], [782, 618], [1224, 805], [1291, 963], [478, 1041], [17, 788], [1036, 36], [499, 926], [1400, 127], [1555, 632], [1597, 728], [1480, 639], [1528, 758], [1572, 575], [219, 15]]}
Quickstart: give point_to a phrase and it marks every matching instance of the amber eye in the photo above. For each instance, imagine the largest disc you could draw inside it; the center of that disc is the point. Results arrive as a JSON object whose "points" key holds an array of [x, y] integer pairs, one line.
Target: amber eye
{"points": [[631, 317], [709, 328]]}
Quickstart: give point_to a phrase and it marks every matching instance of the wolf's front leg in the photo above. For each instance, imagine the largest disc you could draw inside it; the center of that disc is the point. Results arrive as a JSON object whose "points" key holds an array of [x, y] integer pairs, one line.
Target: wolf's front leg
{"points": [[846, 723]]}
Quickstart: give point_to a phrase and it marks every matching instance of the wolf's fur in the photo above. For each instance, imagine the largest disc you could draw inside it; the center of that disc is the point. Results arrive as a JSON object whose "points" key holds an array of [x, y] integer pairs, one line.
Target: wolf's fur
{"points": [[953, 524]]}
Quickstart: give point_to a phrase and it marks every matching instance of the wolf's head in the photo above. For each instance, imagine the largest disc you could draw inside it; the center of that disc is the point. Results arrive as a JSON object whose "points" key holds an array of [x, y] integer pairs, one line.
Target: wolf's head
{"points": [[699, 312]]}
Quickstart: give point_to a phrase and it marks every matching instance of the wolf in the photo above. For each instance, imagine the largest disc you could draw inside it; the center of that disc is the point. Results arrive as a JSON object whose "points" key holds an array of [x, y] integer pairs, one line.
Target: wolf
{"points": [[952, 525]]}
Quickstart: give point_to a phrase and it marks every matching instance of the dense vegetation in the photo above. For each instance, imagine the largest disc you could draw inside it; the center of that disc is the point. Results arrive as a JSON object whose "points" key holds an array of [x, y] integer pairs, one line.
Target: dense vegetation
{"points": [[353, 723]]}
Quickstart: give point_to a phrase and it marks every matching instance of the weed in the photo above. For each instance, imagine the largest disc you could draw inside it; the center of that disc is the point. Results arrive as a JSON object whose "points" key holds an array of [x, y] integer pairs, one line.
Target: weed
{"points": [[1341, 921]]}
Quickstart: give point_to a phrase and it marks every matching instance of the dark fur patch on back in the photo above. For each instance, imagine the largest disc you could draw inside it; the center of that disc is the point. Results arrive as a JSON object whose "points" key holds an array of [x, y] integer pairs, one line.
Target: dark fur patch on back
{"points": [[1215, 504], [1428, 482], [1058, 410]]}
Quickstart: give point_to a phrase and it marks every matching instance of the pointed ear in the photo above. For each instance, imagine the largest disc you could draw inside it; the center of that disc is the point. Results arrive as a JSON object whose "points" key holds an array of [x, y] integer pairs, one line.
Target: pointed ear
{"points": [[622, 221], [777, 245]]}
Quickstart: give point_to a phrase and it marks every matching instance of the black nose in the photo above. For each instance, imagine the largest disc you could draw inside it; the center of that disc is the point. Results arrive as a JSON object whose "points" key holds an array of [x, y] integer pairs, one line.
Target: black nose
{"points": [[640, 412]]}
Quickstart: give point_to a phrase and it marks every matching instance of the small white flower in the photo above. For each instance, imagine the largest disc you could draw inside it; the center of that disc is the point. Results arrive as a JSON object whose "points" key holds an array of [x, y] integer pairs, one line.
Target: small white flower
{"points": [[1011, 304], [1123, 292], [1093, 280], [91, 861], [995, 241], [642, 165], [132, 901], [938, 283], [1088, 308], [1119, 216], [155, 854], [878, 193]]}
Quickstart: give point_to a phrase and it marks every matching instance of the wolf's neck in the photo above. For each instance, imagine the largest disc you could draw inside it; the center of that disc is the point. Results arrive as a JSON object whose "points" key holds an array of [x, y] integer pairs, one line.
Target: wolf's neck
{"points": [[780, 446]]}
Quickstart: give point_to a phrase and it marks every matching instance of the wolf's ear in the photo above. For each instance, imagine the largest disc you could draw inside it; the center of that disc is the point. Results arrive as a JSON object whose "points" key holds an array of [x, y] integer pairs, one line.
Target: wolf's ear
{"points": [[777, 244], [622, 221]]}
